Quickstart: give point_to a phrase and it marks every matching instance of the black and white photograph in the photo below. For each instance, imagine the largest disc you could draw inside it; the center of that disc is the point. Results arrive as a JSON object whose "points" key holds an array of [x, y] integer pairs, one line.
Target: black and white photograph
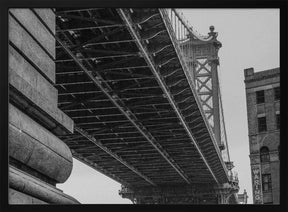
{"points": [[166, 106]]}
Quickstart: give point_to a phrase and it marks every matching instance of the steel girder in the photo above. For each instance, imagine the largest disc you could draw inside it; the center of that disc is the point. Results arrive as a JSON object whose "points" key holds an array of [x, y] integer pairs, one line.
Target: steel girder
{"points": [[165, 87], [103, 114]]}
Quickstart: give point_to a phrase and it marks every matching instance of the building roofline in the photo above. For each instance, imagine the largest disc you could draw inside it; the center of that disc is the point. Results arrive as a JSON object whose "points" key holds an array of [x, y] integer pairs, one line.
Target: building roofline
{"points": [[251, 76]]}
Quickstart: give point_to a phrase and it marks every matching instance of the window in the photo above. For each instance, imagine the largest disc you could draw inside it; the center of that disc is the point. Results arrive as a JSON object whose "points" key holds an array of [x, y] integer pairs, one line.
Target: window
{"points": [[277, 93], [262, 124], [266, 182], [260, 97], [278, 121], [264, 154]]}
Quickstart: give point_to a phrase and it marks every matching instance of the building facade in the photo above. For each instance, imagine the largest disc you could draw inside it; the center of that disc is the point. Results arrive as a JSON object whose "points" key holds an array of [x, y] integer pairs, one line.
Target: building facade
{"points": [[263, 110]]}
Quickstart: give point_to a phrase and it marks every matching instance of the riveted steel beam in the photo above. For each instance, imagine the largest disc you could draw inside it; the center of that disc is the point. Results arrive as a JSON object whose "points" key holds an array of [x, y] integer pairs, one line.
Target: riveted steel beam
{"points": [[143, 19], [92, 19], [130, 116], [88, 28], [130, 28], [83, 132], [118, 158], [149, 60]]}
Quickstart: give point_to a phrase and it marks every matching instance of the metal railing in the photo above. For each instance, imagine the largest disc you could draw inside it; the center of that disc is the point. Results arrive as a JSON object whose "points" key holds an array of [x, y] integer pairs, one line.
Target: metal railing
{"points": [[182, 27]]}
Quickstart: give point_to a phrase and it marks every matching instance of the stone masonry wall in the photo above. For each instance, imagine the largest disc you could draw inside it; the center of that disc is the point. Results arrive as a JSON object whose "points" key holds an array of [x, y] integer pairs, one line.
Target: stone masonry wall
{"points": [[38, 159]]}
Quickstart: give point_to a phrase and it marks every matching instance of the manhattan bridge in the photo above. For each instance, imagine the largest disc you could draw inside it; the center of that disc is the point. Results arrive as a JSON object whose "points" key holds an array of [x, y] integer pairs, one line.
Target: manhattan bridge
{"points": [[140, 89]]}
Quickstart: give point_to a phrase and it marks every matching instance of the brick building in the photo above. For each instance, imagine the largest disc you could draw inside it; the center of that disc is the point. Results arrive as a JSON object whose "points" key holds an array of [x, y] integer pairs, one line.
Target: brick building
{"points": [[263, 110]]}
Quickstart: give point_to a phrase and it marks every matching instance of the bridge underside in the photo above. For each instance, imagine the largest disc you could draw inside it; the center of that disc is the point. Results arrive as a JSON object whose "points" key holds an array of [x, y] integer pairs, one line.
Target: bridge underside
{"points": [[172, 195], [137, 119]]}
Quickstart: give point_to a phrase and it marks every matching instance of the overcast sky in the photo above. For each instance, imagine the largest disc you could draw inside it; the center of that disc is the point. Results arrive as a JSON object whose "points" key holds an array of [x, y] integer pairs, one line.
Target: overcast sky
{"points": [[250, 38]]}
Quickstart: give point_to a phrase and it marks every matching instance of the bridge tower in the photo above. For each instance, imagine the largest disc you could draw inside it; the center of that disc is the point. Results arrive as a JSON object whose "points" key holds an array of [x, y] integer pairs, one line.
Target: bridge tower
{"points": [[201, 57]]}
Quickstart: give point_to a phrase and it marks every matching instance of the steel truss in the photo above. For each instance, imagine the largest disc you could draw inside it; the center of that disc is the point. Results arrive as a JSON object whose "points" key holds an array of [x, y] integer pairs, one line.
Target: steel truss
{"points": [[121, 77]]}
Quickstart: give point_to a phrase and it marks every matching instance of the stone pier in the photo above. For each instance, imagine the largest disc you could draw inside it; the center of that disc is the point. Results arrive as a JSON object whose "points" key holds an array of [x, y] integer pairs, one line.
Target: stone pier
{"points": [[38, 159]]}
